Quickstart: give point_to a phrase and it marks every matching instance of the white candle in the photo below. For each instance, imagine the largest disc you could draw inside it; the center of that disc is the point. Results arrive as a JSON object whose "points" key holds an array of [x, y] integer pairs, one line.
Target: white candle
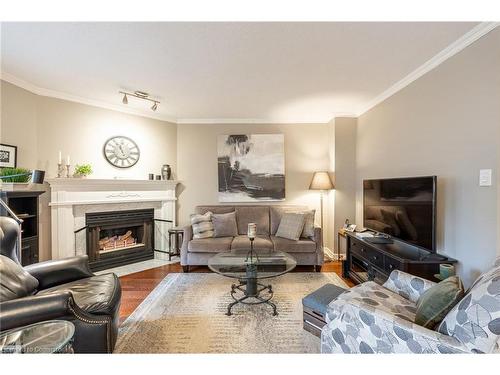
{"points": [[60, 157], [67, 163], [252, 230]]}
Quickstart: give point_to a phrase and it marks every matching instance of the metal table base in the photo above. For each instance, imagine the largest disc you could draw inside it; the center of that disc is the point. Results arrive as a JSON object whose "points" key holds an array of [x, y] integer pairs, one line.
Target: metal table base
{"points": [[251, 289]]}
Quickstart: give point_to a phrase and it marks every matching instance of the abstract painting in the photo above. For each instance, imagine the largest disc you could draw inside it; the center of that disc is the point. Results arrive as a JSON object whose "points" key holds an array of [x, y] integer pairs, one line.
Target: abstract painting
{"points": [[251, 167]]}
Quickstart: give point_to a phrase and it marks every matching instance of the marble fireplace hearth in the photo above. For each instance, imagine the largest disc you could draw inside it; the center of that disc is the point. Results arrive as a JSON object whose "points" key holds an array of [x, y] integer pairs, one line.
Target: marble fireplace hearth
{"points": [[72, 199]]}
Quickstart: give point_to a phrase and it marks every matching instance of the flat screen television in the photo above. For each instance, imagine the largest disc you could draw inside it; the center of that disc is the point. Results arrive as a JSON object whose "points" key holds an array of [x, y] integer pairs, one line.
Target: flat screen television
{"points": [[403, 208]]}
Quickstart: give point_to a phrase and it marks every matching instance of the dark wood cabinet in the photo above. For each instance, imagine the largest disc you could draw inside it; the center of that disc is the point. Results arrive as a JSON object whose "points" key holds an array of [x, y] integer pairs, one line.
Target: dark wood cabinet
{"points": [[25, 205], [367, 261]]}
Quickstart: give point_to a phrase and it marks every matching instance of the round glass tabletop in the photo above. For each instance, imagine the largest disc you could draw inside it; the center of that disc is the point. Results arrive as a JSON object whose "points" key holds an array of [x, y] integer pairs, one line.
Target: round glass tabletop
{"points": [[243, 265], [51, 336]]}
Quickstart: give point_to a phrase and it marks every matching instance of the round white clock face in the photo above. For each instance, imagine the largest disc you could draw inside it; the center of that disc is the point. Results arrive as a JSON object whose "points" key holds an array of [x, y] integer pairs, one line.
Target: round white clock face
{"points": [[122, 152]]}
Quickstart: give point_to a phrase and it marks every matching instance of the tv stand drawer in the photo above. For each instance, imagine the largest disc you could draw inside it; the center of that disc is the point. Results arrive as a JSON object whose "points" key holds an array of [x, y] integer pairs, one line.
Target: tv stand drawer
{"points": [[367, 253]]}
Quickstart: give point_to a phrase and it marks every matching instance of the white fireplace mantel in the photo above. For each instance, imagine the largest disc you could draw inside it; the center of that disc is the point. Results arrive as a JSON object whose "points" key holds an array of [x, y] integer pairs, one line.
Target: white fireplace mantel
{"points": [[71, 198]]}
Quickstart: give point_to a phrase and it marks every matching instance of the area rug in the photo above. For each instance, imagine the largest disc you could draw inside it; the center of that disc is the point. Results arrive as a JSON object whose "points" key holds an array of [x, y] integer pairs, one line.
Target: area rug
{"points": [[185, 313]]}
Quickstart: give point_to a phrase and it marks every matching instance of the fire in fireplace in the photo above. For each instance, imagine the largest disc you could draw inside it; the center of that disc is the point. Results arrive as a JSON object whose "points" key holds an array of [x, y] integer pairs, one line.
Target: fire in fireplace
{"points": [[119, 237]]}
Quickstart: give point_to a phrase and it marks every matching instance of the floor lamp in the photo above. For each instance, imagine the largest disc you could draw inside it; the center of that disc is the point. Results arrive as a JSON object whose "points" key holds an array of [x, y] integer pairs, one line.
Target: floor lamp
{"points": [[321, 181]]}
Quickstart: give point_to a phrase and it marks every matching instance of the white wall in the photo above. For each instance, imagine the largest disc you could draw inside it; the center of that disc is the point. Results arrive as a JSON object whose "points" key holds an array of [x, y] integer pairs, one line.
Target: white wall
{"points": [[41, 126], [446, 123]]}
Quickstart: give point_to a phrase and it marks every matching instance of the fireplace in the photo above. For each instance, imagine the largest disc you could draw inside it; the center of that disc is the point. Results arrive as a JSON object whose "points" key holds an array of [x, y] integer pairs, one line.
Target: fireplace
{"points": [[117, 238]]}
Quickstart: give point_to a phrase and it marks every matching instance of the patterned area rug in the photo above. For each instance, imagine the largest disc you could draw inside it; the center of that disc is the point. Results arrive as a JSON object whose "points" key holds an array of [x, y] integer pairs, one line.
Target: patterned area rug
{"points": [[185, 313]]}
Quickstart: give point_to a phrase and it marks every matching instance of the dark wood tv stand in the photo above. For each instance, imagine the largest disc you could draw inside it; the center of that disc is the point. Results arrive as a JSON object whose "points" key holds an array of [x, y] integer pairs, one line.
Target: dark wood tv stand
{"points": [[369, 261]]}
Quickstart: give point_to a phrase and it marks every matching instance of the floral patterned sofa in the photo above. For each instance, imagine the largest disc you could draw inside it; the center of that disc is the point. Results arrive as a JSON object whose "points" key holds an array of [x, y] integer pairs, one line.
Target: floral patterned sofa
{"points": [[370, 318]]}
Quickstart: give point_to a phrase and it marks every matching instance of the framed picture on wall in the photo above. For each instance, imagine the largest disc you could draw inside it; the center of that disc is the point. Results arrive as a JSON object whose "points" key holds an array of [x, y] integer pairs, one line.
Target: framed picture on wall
{"points": [[8, 156]]}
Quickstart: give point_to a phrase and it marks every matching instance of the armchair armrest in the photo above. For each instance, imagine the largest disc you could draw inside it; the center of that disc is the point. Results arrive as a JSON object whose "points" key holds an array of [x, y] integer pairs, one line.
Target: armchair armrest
{"points": [[32, 309], [61, 271], [187, 236], [408, 286], [357, 327]]}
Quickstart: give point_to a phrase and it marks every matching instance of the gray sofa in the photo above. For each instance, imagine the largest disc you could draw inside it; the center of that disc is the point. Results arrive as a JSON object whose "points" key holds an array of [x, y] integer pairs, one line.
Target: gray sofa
{"points": [[307, 251]]}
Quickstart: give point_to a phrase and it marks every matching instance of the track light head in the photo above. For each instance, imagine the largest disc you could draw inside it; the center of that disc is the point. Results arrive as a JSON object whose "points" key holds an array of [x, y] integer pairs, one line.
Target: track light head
{"points": [[125, 99], [155, 106]]}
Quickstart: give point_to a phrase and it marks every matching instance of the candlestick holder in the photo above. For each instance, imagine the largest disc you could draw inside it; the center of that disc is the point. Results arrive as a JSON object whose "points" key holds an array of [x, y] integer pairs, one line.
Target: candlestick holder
{"points": [[61, 170], [251, 254], [67, 170]]}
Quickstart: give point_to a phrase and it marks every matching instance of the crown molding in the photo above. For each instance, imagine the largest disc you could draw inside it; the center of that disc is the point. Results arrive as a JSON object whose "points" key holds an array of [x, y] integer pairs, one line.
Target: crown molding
{"points": [[10, 78], [466, 40], [215, 121]]}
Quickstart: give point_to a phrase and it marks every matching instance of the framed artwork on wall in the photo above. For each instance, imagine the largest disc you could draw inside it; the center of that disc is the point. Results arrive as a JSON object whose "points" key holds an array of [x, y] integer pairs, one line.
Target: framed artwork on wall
{"points": [[251, 167], [8, 156]]}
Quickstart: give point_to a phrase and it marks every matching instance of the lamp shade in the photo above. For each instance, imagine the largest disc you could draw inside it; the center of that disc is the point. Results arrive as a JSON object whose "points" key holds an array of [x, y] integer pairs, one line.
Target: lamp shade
{"points": [[321, 181]]}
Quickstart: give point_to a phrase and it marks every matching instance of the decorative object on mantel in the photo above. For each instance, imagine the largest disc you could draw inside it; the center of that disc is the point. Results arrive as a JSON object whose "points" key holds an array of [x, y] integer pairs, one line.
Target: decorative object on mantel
{"points": [[8, 156], [21, 176], [82, 171], [166, 172], [139, 95], [63, 171], [321, 181], [121, 152], [251, 167], [151, 176]]}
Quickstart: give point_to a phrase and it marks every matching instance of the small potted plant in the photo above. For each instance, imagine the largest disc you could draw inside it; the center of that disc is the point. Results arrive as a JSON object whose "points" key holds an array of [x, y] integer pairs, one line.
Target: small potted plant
{"points": [[82, 171], [21, 175]]}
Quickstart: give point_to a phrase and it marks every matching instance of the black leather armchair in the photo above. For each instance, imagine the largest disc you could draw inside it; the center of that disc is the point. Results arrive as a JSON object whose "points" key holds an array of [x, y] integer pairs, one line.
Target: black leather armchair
{"points": [[67, 290]]}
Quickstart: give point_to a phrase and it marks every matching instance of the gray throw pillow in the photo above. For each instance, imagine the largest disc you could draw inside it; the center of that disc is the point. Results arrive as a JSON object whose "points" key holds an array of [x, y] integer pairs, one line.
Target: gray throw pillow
{"points": [[15, 282], [308, 231], [437, 301], [225, 225], [291, 226]]}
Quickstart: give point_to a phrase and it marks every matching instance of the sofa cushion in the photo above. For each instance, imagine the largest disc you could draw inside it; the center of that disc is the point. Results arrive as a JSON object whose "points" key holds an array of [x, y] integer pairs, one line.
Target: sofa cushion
{"points": [[291, 226], [276, 212], [475, 320], [210, 245], [225, 225], [303, 245], [98, 295], [372, 295], [15, 282], [260, 243], [437, 301], [216, 209], [253, 214], [202, 225]]}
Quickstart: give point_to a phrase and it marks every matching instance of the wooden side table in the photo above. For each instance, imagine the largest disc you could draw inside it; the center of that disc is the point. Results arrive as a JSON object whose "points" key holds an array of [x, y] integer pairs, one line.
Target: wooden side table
{"points": [[341, 242], [175, 236]]}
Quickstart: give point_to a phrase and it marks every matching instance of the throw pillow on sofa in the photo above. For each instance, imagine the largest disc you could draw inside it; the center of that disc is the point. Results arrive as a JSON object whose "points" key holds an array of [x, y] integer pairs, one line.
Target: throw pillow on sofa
{"points": [[291, 226], [202, 225], [436, 302], [308, 231], [15, 282], [225, 224]]}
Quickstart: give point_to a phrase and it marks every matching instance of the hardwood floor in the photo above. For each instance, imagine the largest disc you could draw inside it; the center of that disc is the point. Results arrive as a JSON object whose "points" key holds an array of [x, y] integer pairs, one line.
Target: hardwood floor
{"points": [[137, 286]]}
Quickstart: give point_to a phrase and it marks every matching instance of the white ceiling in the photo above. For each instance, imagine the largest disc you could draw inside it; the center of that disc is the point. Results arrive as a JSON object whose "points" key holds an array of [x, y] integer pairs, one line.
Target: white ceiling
{"points": [[277, 72]]}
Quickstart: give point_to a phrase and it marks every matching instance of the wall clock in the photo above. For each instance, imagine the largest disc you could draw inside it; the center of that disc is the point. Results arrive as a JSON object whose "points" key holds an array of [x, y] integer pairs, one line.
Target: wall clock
{"points": [[121, 152]]}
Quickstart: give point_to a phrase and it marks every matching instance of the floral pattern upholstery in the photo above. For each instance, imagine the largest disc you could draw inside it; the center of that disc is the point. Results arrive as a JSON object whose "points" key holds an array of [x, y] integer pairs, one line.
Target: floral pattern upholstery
{"points": [[370, 318], [406, 285], [475, 321]]}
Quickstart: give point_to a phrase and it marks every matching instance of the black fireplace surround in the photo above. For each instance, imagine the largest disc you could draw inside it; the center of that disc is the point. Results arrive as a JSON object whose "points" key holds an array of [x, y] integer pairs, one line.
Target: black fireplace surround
{"points": [[118, 238]]}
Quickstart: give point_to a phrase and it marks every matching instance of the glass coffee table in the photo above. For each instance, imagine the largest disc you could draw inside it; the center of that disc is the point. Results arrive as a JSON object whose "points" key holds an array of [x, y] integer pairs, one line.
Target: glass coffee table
{"points": [[52, 336], [250, 268]]}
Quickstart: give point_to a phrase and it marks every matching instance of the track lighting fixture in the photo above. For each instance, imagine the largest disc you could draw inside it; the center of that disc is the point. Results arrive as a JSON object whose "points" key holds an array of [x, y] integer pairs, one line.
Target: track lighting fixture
{"points": [[140, 95]]}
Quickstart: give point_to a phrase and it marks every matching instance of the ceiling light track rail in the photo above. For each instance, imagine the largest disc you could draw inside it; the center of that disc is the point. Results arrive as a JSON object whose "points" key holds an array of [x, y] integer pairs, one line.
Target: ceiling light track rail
{"points": [[139, 95]]}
